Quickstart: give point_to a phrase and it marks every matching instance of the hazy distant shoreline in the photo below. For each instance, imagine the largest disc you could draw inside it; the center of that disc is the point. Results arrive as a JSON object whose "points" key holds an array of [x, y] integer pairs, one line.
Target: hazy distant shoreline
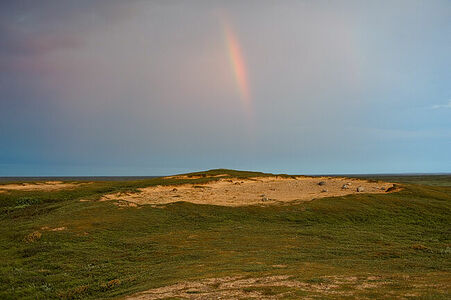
{"points": [[129, 178]]}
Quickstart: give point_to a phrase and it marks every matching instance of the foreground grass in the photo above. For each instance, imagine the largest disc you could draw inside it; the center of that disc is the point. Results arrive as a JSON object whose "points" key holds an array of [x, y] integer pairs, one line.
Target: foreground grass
{"points": [[402, 239]]}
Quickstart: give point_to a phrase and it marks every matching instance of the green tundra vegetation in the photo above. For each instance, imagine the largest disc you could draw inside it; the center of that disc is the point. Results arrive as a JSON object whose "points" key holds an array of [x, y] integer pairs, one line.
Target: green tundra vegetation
{"points": [[393, 245]]}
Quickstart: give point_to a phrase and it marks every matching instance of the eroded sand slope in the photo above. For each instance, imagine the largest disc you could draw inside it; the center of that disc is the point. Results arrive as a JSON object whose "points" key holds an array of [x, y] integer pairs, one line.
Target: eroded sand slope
{"points": [[258, 190]]}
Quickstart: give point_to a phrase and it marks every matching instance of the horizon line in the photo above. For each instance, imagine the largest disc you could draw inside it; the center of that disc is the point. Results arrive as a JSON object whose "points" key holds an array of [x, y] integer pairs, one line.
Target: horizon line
{"points": [[155, 176]]}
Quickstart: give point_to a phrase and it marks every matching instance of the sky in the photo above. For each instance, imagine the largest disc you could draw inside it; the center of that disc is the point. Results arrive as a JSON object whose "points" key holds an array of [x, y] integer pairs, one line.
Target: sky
{"points": [[163, 87]]}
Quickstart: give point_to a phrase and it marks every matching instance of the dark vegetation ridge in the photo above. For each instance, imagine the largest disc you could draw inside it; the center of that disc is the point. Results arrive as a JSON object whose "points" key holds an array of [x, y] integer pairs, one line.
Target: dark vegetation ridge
{"points": [[52, 245], [435, 179]]}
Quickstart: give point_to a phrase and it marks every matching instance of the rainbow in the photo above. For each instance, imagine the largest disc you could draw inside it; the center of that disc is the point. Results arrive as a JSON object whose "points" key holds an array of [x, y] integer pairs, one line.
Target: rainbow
{"points": [[238, 65]]}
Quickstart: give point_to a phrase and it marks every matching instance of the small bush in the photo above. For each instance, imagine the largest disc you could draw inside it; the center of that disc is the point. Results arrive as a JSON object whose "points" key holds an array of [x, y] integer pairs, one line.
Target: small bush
{"points": [[33, 237], [27, 201], [420, 247], [110, 284]]}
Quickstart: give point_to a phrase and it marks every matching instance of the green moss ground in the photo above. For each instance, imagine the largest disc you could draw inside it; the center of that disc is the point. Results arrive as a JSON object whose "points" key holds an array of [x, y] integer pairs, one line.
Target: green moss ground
{"points": [[402, 238]]}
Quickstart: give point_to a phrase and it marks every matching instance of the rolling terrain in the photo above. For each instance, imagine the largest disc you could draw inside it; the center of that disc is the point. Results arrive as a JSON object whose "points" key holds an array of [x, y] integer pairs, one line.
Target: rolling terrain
{"points": [[64, 243]]}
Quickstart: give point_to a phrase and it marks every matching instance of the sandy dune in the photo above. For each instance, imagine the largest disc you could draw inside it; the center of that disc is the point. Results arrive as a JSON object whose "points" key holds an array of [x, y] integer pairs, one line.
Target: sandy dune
{"points": [[259, 190]]}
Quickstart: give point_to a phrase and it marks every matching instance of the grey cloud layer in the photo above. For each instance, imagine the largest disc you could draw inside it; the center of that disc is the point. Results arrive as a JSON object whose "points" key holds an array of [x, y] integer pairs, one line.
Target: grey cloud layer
{"points": [[149, 84]]}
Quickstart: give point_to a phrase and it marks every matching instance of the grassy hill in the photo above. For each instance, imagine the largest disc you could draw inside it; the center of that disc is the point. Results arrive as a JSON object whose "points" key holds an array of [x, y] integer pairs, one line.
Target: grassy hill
{"points": [[52, 245]]}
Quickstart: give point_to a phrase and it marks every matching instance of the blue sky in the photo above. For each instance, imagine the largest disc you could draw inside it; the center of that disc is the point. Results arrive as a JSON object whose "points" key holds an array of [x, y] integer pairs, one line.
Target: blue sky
{"points": [[151, 87]]}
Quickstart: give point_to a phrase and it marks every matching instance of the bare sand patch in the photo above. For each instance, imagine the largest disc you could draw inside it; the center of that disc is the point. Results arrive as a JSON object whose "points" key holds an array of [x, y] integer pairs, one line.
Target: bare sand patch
{"points": [[39, 186], [46, 228], [252, 191], [254, 288]]}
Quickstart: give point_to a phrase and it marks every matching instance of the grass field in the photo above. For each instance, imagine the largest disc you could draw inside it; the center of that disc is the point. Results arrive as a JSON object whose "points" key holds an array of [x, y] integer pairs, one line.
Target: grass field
{"points": [[393, 245]]}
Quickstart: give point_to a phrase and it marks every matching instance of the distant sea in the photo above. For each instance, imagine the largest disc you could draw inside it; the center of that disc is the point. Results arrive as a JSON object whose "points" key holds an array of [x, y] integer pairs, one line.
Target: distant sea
{"points": [[130, 178]]}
